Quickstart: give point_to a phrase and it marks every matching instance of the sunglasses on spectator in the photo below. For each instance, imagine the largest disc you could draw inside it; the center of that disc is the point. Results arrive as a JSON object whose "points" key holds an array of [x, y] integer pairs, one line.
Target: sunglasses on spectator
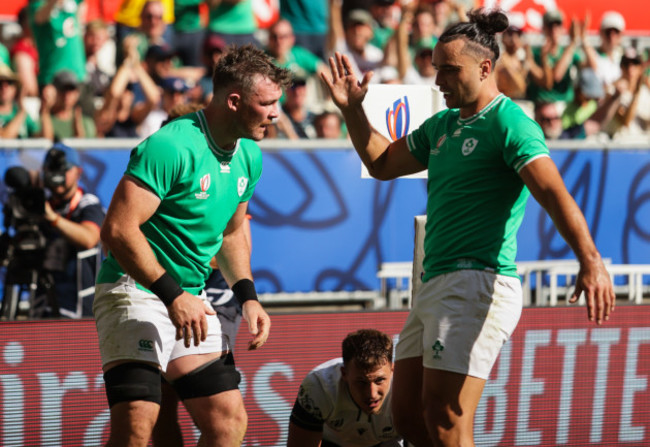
{"points": [[7, 82], [549, 119], [152, 16]]}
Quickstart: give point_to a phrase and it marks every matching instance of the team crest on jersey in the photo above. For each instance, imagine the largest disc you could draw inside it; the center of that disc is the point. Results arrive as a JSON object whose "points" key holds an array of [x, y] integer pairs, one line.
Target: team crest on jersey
{"points": [[225, 167], [469, 145], [204, 183], [242, 183]]}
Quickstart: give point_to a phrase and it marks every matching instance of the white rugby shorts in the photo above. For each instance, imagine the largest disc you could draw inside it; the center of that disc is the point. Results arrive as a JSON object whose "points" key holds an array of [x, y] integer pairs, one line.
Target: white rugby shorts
{"points": [[460, 321], [134, 324]]}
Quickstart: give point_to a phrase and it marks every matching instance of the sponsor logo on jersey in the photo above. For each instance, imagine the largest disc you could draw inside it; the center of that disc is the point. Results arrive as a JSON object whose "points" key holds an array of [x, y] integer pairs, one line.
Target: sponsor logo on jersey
{"points": [[398, 118], [204, 183], [225, 167], [468, 146], [242, 183], [457, 132]]}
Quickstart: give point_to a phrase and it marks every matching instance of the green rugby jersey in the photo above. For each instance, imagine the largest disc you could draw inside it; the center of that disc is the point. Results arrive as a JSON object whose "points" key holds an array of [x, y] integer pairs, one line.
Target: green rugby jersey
{"points": [[200, 186], [475, 197]]}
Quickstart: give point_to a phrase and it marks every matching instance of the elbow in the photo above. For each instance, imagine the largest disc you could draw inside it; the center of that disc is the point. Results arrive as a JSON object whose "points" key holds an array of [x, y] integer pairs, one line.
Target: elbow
{"points": [[110, 234]]}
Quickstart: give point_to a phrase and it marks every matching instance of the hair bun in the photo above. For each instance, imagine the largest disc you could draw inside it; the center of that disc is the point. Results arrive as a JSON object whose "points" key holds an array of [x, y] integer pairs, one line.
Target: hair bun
{"points": [[491, 22]]}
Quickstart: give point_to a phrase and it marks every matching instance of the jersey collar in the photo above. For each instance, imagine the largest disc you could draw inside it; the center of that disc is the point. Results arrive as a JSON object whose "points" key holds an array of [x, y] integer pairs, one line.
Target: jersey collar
{"points": [[218, 151], [481, 113]]}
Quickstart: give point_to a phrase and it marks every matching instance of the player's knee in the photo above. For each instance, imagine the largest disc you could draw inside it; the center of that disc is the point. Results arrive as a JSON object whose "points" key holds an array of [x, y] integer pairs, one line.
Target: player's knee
{"points": [[133, 381], [214, 377]]}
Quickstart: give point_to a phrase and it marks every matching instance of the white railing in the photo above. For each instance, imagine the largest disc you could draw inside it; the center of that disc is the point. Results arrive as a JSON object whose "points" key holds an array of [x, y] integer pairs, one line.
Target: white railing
{"points": [[553, 279]]}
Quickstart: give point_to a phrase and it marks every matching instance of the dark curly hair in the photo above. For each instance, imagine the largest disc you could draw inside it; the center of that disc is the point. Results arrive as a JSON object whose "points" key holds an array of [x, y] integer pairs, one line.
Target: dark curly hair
{"points": [[239, 66], [369, 348], [479, 32]]}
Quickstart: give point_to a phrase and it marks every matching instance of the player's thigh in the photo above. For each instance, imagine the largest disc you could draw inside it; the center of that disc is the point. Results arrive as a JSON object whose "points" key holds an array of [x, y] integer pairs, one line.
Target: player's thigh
{"points": [[222, 411], [407, 385], [450, 397]]}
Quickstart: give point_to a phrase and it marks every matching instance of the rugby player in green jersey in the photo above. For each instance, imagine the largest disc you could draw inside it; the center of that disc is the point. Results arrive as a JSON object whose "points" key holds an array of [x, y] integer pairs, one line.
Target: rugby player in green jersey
{"points": [[483, 156], [182, 200]]}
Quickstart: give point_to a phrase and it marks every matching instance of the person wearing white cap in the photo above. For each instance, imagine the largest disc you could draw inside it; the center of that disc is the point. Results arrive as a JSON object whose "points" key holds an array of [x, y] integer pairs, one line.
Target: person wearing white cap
{"points": [[606, 58]]}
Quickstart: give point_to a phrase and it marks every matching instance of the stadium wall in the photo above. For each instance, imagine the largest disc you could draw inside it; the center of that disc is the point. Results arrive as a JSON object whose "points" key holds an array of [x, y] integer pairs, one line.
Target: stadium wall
{"points": [[559, 381], [318, 226]]}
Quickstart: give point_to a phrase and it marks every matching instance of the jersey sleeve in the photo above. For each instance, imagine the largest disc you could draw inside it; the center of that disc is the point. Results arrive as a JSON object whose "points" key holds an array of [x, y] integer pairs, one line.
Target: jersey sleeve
{"points": [[524, 142], [311, 407], [255, 171], [419, 141], [156, 163]]}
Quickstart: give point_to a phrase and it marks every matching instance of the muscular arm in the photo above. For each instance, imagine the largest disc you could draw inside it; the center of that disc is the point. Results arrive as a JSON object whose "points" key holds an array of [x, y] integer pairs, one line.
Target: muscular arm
{"points": [[131, 206], [545, 184], [234, 260]]}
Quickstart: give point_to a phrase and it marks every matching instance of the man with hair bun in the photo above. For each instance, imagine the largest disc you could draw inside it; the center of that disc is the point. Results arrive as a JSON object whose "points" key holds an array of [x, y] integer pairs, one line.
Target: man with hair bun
{"points": [[484, 157]]}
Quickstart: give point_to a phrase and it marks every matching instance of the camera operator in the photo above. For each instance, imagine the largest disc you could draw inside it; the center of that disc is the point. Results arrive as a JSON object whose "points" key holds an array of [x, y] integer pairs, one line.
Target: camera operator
{"points": [[73, 218]]}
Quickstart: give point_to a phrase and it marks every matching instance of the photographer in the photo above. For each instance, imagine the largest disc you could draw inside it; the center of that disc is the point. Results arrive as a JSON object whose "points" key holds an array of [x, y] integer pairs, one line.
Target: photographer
{"points": [[72, 222]]}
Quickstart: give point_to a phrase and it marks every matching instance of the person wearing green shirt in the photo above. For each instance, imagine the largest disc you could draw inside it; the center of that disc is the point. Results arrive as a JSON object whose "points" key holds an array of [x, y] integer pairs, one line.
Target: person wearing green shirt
{"points": [[15, 122], [484, 157], [189, 34], [233, 21], [58, 37], [181, 202]]}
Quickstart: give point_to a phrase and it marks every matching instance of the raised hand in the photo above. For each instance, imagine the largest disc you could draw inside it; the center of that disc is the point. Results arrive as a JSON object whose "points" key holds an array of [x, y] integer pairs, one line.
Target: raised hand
{"points": [[344, 87]]}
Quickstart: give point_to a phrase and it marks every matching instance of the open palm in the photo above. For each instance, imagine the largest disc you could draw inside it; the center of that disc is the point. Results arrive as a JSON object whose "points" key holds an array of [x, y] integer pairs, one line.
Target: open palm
{"points": [[344, 87]]}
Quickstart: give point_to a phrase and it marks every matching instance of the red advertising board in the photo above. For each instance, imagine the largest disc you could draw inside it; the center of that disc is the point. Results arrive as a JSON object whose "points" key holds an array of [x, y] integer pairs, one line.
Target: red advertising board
{"points": [[559, 381]]}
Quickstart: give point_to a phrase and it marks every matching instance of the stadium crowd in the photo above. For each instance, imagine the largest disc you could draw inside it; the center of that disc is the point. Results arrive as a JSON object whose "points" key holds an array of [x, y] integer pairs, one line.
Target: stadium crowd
{"points": [[62, 78]]}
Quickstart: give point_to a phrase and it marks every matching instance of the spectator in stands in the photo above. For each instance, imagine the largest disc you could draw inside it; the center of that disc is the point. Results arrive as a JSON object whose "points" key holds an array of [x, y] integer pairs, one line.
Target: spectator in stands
{"points": [[15, 122], [128, 19], [296, 110], [286, 54], [123, 111], [424, 29], [174, 93], [214, 47], [233, 21], [151, 32], [328, 125], [58, 36], [632, 94], [73, 217], [550, 74], [62, 115], [608, 54], [383, 11], [550, 118], [589, 91], [308, 19], [99, 68], [449, 12], [188, 32], [352, 38], [346, 402], [417, 69], [24, 57], [512, 67], [158, 62]]}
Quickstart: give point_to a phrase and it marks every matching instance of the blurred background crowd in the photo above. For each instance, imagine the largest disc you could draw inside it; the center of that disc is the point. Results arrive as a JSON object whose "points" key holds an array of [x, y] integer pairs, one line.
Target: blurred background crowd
{"points": [[64, 77]]}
